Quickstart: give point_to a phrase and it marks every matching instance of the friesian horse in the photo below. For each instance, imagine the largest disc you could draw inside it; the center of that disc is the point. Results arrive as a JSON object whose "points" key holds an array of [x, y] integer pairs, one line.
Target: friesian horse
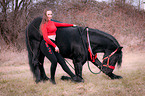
{"points": [[74, 43]]}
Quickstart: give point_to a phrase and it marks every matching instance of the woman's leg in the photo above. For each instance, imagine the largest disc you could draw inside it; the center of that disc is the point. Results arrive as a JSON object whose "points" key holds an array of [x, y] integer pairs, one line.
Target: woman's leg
{"points": [[54, 57], [48, 52], [61, 61]]}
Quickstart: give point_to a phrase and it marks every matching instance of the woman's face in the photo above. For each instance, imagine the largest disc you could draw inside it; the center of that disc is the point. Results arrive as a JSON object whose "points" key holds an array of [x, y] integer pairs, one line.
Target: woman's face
{"points": [[49, 14]]}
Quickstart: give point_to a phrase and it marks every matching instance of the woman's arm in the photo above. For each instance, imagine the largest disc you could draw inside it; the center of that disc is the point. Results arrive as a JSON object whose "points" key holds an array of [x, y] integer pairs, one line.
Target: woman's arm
{"points": [[62, 24]]}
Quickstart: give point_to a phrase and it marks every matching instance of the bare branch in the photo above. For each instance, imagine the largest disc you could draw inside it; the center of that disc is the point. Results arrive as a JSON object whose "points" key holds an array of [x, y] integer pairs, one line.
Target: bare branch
{"points": [[22, 1]]}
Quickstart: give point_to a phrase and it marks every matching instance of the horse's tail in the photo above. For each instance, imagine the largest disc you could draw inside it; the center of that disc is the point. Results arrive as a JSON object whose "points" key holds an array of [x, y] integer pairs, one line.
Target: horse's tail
{"points": [[30, 53], [33, 39], [119, 59]]}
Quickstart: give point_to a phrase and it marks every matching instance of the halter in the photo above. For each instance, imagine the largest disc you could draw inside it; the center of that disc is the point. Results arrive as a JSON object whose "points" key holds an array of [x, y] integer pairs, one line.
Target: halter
{"points": [[108, 57]]}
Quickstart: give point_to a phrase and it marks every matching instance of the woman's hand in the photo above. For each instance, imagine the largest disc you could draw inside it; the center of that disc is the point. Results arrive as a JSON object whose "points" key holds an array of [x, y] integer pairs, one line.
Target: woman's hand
{"points": [[74, 25], [57, 49]]}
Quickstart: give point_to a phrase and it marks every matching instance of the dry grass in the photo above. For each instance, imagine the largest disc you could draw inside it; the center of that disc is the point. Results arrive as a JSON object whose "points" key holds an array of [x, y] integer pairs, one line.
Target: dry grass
{"points": [[17, 80], [125, 24]]}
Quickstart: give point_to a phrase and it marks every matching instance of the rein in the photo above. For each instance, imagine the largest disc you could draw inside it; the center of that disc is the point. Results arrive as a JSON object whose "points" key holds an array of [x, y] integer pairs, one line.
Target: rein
{"points": [[92, 56]]}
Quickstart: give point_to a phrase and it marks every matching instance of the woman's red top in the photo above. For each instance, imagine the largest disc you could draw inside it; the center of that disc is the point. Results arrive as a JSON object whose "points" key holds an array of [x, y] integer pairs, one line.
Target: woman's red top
{"points": [[49, 28]]}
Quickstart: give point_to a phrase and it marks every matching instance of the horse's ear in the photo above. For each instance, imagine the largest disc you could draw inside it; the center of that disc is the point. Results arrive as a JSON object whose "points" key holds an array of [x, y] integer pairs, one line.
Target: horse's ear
{"points": [[119, 49]]}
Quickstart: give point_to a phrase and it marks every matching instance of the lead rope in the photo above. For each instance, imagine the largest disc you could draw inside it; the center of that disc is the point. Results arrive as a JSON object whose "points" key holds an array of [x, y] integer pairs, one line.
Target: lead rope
{"points": [[94, 57], [69, 64]]}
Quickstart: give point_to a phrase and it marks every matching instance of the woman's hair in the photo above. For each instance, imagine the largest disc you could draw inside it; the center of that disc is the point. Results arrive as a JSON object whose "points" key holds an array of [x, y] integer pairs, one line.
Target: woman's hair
{"points": [[44, 19]]}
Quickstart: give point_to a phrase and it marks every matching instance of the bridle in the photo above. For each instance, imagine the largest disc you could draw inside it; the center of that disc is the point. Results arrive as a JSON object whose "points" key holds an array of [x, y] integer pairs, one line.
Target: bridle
{"points": [[108, 58]]}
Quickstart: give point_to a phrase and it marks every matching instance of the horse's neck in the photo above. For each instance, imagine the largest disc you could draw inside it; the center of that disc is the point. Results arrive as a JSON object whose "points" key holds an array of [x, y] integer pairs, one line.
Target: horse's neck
{"points": [[112, 42]]}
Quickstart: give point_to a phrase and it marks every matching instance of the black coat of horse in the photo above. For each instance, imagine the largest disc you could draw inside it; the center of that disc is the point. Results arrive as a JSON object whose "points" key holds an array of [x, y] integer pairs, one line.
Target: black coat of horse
{"points": [[72, 42]]}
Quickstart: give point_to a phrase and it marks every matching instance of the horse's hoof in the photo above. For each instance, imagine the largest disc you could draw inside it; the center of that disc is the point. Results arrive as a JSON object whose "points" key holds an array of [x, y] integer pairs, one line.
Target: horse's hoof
{"points": [[46, 78], [37, 81], [82, 80], [65, 78], [77, 79], [117, 77], [52, 81]]}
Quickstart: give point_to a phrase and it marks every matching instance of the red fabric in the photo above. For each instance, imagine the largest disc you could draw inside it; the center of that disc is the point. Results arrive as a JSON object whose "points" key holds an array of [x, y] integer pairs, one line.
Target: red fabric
{"points": [[49, 28], [93, 57], [111, 67]]}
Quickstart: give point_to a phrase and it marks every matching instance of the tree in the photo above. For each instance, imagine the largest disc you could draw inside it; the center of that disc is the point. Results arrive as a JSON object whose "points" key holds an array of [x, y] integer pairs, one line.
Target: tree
{"points": [[12, 11], [3, 32], [122, 2]]}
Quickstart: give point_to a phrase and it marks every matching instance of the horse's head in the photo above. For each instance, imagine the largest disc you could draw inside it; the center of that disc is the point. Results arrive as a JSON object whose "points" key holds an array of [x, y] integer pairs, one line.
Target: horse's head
{"points": [[110, 60]]}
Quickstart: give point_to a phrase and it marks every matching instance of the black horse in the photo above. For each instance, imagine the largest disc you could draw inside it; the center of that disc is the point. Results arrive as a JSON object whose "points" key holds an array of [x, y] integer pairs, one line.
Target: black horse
{"points": [[73, 43]]}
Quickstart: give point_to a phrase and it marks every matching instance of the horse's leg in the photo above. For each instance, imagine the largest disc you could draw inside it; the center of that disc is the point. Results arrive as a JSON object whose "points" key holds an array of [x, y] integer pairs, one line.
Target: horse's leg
{"points": [[113, 76], [62, 62], [78, 69], [78, 74], [41, 67], [35, 60]]}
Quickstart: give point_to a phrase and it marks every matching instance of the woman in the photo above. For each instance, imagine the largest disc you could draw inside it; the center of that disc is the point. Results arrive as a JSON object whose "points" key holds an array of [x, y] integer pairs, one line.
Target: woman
{"points": [[50, 49]]}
